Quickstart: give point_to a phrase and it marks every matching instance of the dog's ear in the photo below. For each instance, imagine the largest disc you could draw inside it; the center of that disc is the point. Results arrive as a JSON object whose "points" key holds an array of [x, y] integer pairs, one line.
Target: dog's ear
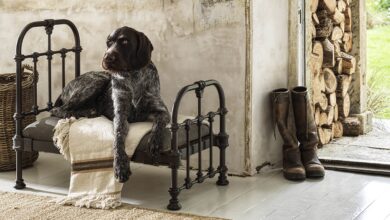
{"points": [[143, 52]]}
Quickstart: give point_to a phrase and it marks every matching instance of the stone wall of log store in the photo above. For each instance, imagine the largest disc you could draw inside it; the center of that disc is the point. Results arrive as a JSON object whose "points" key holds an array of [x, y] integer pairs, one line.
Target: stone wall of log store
{"points": [[193, 40], [359, 50]]}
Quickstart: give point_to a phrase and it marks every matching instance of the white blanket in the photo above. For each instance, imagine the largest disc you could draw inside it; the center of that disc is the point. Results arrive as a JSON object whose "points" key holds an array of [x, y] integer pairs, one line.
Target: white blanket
{"points": [[87, 144]]}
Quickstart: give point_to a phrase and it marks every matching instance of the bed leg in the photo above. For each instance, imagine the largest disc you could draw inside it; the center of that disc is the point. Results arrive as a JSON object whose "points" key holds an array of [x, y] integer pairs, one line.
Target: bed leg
{"points": [[19, 179], [174, 190], [223, 143]]}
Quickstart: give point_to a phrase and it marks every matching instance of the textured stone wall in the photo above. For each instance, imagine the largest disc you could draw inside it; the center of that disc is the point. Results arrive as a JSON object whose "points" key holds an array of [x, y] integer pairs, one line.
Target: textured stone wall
{"points": [[359, 87], [270, 71], [358, 90], [193, 40]]}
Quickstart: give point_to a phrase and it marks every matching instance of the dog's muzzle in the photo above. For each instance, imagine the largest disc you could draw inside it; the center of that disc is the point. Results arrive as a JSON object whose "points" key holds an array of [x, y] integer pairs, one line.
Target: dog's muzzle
{"points": [[110, 61]]}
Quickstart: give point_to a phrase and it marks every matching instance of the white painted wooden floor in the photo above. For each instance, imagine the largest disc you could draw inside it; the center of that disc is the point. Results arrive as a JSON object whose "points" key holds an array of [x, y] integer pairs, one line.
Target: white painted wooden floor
{"points": [[265, 196]]}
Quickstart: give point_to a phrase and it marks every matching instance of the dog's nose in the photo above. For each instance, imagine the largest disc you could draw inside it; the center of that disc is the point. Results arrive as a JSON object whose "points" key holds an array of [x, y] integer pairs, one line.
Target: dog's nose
{"points": [[109, 57]]}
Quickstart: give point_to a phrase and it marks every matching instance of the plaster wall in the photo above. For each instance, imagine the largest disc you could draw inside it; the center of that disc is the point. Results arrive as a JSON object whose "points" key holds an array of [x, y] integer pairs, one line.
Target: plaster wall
{"points": [[193, 40], [270, 71]]}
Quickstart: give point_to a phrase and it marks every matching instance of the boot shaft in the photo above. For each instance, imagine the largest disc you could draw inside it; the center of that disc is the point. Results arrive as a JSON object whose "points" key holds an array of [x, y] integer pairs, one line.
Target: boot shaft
{"points": [[300, 108], [280, 101], [304, 119]]}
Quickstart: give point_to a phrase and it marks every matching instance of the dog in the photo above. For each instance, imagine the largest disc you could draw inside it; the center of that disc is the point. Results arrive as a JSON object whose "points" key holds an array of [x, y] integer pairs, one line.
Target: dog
{"points": [[128, 91]]}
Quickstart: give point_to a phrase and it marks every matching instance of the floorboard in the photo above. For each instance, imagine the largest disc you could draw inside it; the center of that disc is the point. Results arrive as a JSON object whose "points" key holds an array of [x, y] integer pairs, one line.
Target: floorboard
{"points": [[340, 195]]}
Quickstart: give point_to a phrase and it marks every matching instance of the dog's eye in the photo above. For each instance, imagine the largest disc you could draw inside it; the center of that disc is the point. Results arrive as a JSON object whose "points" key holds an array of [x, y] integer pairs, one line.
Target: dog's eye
{"points": [[124, 41], [109, 43]]}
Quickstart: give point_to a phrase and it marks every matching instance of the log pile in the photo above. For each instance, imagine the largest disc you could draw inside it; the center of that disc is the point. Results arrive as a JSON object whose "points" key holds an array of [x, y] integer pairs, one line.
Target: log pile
{"points": [[332, 67]]}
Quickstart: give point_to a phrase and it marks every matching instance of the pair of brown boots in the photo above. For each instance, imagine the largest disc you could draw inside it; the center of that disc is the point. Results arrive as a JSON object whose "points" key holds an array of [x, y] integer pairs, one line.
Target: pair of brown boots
{"points": [[298, 162]]}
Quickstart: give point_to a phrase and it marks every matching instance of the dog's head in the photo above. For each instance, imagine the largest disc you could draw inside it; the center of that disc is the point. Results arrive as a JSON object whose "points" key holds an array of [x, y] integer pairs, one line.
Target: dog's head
{"points": [[127, 50]]}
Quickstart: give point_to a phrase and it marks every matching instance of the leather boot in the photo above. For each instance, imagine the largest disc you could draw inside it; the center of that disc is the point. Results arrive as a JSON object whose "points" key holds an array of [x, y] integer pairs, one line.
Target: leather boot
{"points": [[292, 165], [306, 132]]}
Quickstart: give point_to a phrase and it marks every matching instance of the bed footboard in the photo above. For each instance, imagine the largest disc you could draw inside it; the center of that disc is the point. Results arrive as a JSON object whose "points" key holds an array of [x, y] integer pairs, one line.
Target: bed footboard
{"points": [[220, 140]]}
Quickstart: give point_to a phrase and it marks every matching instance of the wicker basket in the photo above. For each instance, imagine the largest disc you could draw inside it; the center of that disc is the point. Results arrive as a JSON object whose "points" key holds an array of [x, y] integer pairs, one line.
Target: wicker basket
{"points": [[7, 110]]}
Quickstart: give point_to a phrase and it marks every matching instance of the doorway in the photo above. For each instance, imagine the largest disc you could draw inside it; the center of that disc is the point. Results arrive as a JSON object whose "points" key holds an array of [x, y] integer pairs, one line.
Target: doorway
{"points": [[345, 90]]}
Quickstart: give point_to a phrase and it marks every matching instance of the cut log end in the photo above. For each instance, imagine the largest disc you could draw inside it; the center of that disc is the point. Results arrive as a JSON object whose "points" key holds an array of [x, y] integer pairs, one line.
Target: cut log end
{"points": [[317, 115], [329, 54], [341, 5], [316, 58], [332, 99], [337, 129], [343, 82], [338, 17], [336, 113], [323, 119], [351, 126], [320, 101], [338, 68], [324, 135], [337, 34], [330, 81], [347, 42], [313, 5], [330, 115], [344, 106]]}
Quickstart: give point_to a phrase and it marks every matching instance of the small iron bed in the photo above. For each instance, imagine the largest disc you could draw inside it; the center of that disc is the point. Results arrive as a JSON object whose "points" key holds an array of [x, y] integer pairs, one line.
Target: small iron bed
{"points": [[182, 138]]}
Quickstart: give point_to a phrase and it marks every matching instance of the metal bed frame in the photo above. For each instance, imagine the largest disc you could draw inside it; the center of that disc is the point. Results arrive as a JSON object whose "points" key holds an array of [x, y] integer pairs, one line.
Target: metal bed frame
{"points": [[173, 157]]}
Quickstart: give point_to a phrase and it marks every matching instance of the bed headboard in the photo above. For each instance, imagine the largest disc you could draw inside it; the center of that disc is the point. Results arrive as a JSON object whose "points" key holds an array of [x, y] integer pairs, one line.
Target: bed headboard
{"points": [[19, 58]]}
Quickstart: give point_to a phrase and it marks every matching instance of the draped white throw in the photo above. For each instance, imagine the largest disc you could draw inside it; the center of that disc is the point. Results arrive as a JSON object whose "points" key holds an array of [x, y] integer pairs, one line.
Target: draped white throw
{"points": [[87, 144]]}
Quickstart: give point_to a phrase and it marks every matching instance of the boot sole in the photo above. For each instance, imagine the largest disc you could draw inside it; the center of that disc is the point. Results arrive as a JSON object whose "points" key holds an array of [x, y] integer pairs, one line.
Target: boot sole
{"points": [[315, 175], [294, 177]]}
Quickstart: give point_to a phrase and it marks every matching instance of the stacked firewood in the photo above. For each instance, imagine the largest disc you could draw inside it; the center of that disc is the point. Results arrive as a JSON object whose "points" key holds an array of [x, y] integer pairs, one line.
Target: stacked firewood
{"points": [[331, 66]]}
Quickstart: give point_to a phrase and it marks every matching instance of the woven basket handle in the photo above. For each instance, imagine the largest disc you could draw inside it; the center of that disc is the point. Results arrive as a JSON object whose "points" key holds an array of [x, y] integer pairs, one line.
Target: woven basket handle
{"points": [[30, 69]]}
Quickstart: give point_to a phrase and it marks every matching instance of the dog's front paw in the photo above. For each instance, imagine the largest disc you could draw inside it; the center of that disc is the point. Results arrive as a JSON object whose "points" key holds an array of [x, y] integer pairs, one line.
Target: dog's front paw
{"points": [[153, 143], [122, 169]]}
